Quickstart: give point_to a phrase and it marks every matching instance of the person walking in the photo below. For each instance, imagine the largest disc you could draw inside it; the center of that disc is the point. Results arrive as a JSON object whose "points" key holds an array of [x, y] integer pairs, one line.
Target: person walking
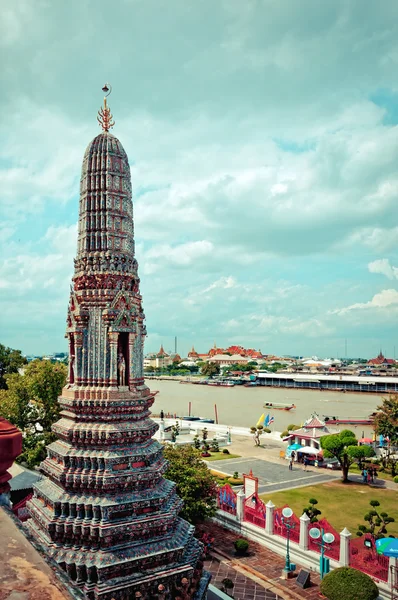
{"points": [[305, 463], [291, 464], [364, 476]]}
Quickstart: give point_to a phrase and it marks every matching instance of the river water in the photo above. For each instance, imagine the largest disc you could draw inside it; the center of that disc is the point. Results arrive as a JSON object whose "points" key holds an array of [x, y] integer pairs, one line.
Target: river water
{"points": [[241, 406]]}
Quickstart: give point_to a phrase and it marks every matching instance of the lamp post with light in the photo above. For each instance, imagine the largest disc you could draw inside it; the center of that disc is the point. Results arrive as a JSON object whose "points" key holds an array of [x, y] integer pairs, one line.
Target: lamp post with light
{"points": [[323, 540], [287, 514]]}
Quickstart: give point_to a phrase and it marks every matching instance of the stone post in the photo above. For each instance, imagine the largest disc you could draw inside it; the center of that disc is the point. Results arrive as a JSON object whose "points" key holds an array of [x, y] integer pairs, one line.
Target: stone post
{"points": [[240, 505], [269, 518], [392, 565], [345, 537], [304, 522]]}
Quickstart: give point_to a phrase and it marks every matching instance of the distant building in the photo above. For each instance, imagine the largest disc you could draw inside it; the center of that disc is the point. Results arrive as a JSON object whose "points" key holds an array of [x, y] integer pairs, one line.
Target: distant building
{"points": [[193, 355], [224, 360], [381, 361]]}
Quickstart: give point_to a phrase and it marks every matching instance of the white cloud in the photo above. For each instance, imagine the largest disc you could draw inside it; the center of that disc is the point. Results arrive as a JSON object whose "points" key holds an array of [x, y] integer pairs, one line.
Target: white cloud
{"points": [[384, 267], [224, 283], [380, 301]]}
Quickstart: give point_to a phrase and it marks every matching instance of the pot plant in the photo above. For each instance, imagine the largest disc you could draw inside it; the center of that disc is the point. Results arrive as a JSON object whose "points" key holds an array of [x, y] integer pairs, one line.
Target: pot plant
{"points": [[241, 546]]}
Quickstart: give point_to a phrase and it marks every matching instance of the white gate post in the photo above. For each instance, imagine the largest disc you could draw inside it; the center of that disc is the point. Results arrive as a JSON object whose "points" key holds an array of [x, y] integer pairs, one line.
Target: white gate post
{"points": [[304, 520], [392, 565], [345, 537], [269, 518], [240, 505]]}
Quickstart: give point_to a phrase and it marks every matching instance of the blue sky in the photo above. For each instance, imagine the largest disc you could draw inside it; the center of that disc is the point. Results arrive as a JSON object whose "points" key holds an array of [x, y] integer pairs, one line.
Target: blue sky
{"points": [[263, 141]]}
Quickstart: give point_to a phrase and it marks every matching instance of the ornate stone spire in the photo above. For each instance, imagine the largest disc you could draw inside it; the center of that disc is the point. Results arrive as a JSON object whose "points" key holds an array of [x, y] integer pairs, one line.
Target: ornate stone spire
{"points": [[105, 513]]}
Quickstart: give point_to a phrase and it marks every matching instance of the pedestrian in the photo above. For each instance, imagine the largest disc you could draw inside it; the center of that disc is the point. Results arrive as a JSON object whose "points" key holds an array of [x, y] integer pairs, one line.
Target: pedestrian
{"points": [[291, 464], [368, 477], [293, 455], [364, 476], [305, 463]]}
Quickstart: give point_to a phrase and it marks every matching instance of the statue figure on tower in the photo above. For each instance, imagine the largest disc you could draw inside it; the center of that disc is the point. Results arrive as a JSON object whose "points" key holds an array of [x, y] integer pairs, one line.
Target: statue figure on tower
{"points": [[121, 368]]}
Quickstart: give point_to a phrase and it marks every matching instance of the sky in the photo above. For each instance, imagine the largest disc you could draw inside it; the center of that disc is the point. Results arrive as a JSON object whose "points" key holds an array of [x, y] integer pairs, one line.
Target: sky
{"points": [[263, 143]]}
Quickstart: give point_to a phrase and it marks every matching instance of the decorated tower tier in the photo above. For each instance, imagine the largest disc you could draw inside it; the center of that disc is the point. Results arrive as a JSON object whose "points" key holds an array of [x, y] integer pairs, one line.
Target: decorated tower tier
{"points": [[105, 513]]}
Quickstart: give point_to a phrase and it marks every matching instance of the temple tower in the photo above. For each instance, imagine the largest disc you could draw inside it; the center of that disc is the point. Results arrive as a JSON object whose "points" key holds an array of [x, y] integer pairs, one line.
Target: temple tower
{"points": [[105, 513]]}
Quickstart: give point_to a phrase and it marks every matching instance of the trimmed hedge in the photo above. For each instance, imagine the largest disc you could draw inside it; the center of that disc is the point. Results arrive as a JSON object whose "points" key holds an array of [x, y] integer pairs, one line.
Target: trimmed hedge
{"points": [[346, 583]]}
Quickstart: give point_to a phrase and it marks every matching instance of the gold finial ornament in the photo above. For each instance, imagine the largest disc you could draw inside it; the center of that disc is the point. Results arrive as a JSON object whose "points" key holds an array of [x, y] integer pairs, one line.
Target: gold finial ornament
{"points": [[105, 118]]}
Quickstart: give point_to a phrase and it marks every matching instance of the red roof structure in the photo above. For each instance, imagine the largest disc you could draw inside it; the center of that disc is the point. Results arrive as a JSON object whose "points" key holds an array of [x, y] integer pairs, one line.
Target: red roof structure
{"points": [[381, 360]]}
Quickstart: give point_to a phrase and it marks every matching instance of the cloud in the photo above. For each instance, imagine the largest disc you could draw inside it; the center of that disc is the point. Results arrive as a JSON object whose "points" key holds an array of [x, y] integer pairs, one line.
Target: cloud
{"points": [[383, 267], [263, 188], [382, 300]]}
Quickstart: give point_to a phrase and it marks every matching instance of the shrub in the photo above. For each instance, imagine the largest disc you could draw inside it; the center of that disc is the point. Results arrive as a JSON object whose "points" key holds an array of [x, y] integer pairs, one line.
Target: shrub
{"points": [[266, 430], [241, 546], [396, 479], [214, 445], [233, 481], [284, 433], [225, 451], [235, 475], [227, 584], [346, 583], [292, 427]]}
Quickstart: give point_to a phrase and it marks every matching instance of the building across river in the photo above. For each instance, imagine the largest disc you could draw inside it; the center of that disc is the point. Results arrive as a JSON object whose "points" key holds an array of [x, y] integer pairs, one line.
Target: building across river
{"points": [[337, 383]]}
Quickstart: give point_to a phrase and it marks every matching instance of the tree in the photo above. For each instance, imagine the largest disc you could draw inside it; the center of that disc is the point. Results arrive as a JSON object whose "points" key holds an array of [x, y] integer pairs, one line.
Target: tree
{"points": [[377, 522], [15, 405], [311, 511], [31, 403], [195, 484], [10, 361], [346, 583], [210, 368], [45, 381], [344, 447], [386, 419]]}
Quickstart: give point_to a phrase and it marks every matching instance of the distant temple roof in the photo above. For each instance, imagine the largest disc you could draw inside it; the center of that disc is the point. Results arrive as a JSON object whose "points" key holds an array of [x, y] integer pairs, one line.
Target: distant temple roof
{"points": [[381, 360]]}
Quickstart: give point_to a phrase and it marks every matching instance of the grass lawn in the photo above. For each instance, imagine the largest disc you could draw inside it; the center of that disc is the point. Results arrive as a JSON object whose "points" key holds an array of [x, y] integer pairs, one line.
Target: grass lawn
{"points": [[220, 456], [343, 505]]}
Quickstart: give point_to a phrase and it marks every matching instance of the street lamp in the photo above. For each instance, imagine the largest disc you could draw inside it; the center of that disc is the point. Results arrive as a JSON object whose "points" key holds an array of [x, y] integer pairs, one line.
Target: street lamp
{"points": [[287, 513], [324, 540]]}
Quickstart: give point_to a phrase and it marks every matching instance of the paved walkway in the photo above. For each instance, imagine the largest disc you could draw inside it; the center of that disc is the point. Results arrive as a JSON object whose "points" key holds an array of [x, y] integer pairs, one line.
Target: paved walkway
{"points": [[261, 566], [273, 477]]}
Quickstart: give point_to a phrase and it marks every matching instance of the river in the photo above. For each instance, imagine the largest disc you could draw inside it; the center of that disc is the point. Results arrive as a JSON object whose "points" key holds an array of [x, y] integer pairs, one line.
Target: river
{"points": [[241, 406]]}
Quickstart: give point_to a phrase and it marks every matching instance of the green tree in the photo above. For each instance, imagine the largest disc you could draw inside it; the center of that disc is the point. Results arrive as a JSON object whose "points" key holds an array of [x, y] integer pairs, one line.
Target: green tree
{"points": [[45, 381], [210, 369], [386, 419], [194, 482], [15, 405], [344, 447], [376, 522], [311, 511], [10, 361]]}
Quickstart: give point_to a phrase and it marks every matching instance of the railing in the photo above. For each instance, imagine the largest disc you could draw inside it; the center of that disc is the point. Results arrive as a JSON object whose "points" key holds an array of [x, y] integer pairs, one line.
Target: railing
{"points": [[255, 511], [367, 559], [331, 550], [281, 529], [226, 499]]}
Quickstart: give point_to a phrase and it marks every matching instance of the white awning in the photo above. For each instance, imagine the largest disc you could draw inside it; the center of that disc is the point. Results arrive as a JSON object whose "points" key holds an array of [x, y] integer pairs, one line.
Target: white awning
{"points": [[309, 450]]}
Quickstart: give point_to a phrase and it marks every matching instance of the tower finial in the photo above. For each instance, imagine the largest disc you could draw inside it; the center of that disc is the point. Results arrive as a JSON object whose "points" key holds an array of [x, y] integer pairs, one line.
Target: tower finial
{"points": [[105, 118]]}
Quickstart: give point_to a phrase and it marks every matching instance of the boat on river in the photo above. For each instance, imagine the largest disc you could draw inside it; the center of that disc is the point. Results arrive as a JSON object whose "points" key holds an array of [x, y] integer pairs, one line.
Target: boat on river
{"points": [[279, 406], [218, 383], [197, 419], [349, 420]]}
